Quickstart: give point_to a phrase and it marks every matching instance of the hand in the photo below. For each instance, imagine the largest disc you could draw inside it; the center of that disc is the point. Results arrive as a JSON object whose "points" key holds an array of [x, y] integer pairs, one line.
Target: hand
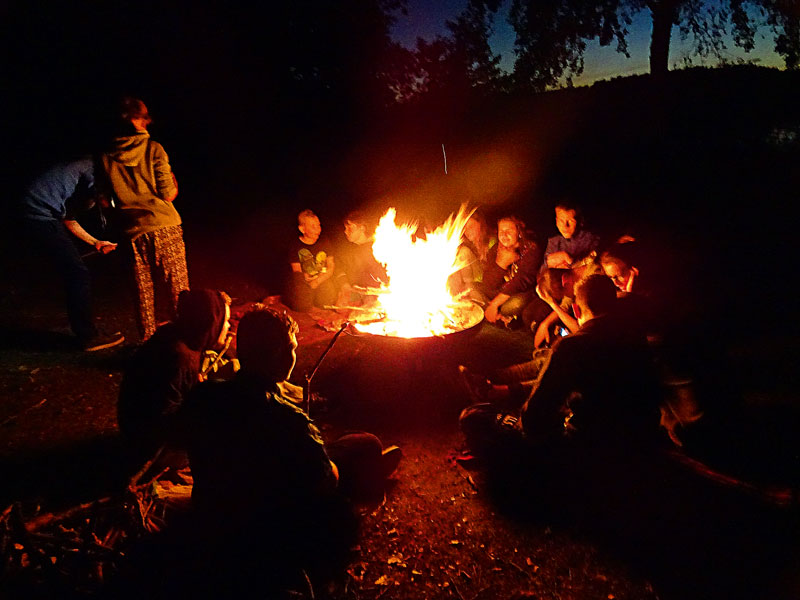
{"points": [[542, 335], [491, 313], [559, 260], [545, 296], [629, 284], [104, 247]]}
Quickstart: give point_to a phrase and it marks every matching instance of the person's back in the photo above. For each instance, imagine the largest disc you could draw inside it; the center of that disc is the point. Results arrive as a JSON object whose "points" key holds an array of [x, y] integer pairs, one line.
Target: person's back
{"points": [[164, 369], [138, 174], [253, 454], [600, 387]]}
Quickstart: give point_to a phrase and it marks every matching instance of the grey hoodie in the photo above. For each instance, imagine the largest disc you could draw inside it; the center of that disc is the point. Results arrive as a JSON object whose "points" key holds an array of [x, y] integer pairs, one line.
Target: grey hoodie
{"points": [[140, 177]]}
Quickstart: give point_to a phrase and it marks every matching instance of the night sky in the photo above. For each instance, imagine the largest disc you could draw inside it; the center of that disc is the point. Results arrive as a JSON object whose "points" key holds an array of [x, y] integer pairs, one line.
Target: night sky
{"points": [[426, 19]]}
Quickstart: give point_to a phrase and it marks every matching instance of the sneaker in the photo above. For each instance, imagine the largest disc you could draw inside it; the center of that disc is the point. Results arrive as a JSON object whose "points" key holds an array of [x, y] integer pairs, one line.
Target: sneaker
{"points": [[101, 341], [476, 386], [469, 462], [390, 459]]}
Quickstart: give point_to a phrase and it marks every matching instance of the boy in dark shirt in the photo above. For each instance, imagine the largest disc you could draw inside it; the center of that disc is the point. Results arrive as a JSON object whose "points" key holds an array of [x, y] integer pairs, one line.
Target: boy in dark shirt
{"points": [[357, 264]]}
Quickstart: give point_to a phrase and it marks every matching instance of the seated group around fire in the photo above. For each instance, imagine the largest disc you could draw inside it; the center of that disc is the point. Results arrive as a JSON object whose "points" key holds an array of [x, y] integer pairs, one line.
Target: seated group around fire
{"points": [[318, 280], [262, 475], [597, 395]]}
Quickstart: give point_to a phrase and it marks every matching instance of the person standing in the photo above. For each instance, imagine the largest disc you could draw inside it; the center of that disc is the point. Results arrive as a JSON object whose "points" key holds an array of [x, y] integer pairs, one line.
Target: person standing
{"points": [[144, 188], [47, 210]]}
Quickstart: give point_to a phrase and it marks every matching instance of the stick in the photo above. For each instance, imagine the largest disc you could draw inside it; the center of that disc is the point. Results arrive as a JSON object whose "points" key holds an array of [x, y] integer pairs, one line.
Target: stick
{"points": [[310, 376], [48, 518], [220, 354], [455, 587], [308, 581], [24, 412]]}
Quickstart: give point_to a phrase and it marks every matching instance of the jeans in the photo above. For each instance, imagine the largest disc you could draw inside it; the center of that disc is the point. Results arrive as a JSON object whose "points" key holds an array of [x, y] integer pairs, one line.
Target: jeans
{"points": [[54, 242]]}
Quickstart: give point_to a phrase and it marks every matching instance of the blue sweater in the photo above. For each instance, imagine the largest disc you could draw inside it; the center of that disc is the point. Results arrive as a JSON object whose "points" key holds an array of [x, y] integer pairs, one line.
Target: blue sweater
{"points": [[46, 197]]}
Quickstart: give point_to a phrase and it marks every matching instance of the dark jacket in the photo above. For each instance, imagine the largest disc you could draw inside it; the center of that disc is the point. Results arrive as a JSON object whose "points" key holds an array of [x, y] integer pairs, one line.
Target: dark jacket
{"points": [[164, 369], [600, 388]]}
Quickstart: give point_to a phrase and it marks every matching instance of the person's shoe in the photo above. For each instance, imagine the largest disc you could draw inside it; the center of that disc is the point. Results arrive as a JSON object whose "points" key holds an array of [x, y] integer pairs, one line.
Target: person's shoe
{"points": [[476, 386], [390, 459], [469, 462], [101, 341]]}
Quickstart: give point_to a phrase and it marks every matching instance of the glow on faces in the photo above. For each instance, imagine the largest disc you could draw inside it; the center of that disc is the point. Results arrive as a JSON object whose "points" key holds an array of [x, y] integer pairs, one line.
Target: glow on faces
{"points": [[354, 232], [617, 272], [566, 221], [472, 231], [310, 228], [507, 233]]}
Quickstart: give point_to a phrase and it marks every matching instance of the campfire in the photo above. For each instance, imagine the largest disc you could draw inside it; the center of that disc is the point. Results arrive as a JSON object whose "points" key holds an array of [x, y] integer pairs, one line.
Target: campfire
{"points": [[416, 301]]}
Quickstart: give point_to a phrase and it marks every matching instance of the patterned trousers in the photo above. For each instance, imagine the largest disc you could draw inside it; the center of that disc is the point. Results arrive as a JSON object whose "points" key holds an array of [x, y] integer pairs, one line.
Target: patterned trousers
{"points": [[159, 257]]}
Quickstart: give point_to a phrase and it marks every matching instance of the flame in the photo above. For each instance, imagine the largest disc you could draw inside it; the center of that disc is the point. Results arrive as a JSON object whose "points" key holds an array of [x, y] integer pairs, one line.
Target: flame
{"points": [[416, 301]]}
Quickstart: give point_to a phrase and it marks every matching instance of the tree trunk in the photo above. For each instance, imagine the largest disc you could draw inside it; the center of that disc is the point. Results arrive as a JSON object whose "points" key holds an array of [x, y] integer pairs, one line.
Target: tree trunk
{"points": [[664, 13]]}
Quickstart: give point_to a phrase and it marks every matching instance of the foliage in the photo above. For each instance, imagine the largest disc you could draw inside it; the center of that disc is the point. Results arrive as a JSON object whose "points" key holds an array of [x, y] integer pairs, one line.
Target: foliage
{"points": [[458, 63], [552, 34]]}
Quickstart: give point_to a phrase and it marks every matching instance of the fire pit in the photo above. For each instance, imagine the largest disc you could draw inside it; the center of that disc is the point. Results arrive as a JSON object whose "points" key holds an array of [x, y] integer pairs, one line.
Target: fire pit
{"points": [[416, 301]]}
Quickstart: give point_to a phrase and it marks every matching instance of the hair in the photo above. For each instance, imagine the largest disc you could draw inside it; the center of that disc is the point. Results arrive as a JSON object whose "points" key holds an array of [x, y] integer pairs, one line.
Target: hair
{"points": [[519, 223], [484, 243], [622, 253], [567, 204], [359, 217], [549, 280], [132, 108], [201, 315], [596, 292], [261, 336], [305, 214]]}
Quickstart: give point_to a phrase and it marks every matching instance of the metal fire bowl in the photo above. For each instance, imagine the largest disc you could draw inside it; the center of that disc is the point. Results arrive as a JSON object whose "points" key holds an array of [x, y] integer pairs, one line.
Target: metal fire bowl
{"points": [[473, 318]]}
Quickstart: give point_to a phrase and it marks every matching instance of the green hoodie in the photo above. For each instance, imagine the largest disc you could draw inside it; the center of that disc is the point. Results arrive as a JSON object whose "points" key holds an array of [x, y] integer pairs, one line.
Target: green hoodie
{"points": [[140, 177]]}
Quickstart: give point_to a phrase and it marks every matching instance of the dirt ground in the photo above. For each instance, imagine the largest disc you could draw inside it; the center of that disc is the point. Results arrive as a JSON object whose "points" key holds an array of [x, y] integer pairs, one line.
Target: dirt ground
{"points": [[442, 532]]}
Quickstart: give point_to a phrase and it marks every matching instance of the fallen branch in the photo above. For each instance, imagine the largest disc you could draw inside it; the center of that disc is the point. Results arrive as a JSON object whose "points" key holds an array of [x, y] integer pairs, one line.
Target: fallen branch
{"points": [[23, 413]]}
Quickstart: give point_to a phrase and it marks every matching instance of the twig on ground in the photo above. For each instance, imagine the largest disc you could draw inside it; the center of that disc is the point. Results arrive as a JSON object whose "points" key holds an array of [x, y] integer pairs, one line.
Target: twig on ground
{"points": [[48, 518], [23, 413], [517, 567], [308, 582], [455, 587]]}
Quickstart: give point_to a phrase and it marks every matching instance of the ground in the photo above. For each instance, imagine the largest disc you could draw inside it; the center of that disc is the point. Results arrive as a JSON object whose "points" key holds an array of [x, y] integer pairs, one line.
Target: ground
{"points": [[442, 532]]}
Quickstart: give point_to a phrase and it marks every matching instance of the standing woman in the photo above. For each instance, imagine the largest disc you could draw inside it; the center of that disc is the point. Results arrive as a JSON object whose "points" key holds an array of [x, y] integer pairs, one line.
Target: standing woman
{"points": [[144, 188]]}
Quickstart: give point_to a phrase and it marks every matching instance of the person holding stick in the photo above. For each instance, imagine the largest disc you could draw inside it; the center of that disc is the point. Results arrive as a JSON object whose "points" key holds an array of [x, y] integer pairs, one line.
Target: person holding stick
{"points": [[48, 211]]}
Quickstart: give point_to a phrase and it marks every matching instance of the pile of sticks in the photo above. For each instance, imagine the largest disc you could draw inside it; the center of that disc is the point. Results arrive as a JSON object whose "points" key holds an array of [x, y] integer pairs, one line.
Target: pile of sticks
{"points": [[74, 552]]}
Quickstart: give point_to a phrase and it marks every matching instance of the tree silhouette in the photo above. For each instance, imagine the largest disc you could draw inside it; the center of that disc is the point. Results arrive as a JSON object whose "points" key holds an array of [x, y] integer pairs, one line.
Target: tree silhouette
{"points": [[552, 34], [457, 64]]}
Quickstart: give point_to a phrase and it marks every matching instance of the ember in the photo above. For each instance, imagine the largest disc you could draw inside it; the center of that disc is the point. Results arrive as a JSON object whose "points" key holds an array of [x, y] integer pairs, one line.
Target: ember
{"points": [[416, 302]]}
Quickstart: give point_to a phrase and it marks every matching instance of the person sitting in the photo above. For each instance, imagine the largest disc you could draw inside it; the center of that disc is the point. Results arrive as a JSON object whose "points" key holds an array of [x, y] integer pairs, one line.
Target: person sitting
{"points": [[509, 386], [625, 264], [312, 265], [510, 272], [573, 251], [473, 252], [357, 265], [574, 243], [167, 366], [263, 477], [599, 394]]}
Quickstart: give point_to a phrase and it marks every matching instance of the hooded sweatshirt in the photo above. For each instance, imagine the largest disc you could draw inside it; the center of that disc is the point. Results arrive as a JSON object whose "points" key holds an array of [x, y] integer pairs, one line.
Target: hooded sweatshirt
{"points": [[140, 177], [161, 372]]}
